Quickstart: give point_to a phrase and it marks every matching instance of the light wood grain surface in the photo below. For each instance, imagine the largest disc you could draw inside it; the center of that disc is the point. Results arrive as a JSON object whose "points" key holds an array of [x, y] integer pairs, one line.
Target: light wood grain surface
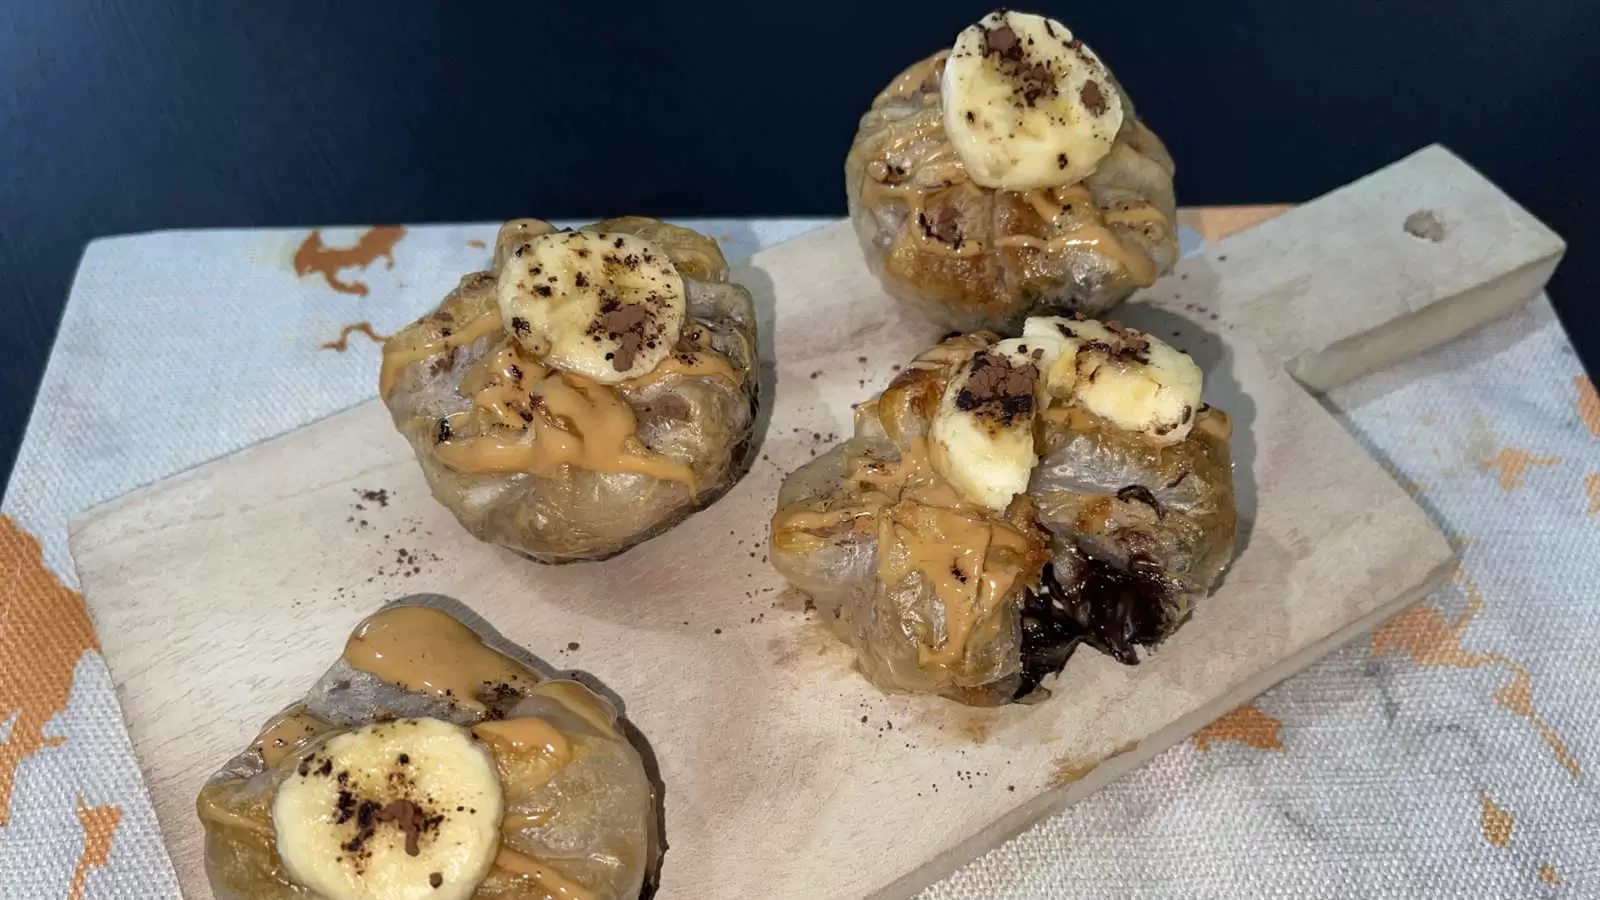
{"points": [[221, 593]]}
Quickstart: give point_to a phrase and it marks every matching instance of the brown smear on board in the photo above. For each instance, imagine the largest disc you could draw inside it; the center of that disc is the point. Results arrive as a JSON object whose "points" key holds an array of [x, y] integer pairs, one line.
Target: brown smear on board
{"points": [[315, 257], [476, 244], [44, 629], [1497, 823], [1067, 769], [1423, 633], [1512, 463], [362, 327], [1246, 725], [1588, 404], [99, 824]]}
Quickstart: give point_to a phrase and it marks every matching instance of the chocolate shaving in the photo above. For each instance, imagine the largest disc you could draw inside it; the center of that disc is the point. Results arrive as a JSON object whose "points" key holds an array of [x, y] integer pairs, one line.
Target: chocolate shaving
{"points": [[1003, 41], [1036, 81], [995, 387], [435, 879], [1093, 98], [1135, 345], [1142, 494], [409, 818], [345, 806], [626, 325]]}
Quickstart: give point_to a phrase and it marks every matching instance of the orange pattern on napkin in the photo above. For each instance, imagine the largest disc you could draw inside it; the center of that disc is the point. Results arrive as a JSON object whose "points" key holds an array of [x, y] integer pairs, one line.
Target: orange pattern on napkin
{"points": [[99, 825], [1513, 462], [1246, 725], [44, 629], [1423, 633], [1497, 823], [1588, 404]]}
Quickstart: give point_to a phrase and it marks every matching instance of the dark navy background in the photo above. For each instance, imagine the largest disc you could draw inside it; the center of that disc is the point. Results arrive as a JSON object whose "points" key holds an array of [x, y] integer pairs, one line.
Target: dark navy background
{"points": [[122, 117]]}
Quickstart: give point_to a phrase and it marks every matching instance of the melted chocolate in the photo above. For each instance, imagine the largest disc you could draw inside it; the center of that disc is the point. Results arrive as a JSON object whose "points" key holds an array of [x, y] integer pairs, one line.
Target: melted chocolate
{"points": [[1113, 610]]}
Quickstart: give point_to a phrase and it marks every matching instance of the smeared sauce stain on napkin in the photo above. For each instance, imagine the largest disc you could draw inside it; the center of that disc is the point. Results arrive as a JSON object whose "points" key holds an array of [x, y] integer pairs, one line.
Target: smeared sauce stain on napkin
{"points": [[46, 629], [315, 257], [1069, 769], [1547, 874], [343, 343], [1423, 633], [99, 824], [1588, 404], [476, 244], [1497, 823], [1246, 725], [1513, 462]]}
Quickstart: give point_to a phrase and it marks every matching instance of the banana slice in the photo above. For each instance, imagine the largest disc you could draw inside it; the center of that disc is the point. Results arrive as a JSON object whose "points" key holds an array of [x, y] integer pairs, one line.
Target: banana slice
{"points": [[1135, 380], [392, 811], [981, 439], [608, 306], [1026, 105]]}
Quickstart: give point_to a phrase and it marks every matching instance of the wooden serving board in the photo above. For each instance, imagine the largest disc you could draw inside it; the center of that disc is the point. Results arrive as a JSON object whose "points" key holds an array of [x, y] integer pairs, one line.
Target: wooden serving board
{"points": [[221, 593]]}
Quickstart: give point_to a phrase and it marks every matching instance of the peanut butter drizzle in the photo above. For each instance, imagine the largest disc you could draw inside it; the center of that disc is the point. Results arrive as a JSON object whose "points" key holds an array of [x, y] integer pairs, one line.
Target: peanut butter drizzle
{"points": [[399, 354], [1086, 227], [530, 734], [1137, 216], [342, 343], [1214, 422], [582, 702], [210, 809], [313, 256], [546, 876], [1090, 227], [703, 363], [970, 559], [952, 549], [424, 650], [285, 733], [1074, 418], [528, 752], [540, 419]]}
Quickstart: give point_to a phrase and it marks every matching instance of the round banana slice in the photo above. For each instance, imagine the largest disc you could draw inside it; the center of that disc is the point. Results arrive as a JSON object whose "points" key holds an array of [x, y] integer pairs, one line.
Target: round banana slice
{"points": [[1135, 380], [1026, 105], [608, 306], [981, 439], [396, 810]]}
